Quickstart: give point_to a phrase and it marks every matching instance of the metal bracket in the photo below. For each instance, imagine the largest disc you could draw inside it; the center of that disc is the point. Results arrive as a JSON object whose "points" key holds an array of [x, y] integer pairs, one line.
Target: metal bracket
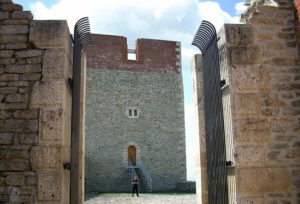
{"points": [[67, 165], [229, 163]]}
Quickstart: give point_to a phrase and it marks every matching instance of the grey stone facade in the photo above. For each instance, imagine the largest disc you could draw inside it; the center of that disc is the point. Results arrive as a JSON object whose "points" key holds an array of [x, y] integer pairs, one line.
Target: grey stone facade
{"points": [[157, 132]]}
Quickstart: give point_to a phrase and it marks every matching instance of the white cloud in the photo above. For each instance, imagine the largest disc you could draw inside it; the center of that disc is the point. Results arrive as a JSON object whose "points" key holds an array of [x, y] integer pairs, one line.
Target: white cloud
{"points": [[240, 8]]}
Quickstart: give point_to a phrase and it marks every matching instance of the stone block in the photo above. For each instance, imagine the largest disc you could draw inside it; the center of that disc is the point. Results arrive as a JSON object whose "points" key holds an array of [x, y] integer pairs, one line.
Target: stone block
{"points": [[34, 60], [13, 38], [49, 186], [16, 98], [281, 124], [14, 29], [12, 106], [8, 90], [30, 76], [26, 114], [47, 93], [18, 83], [23, 68], [51, 124], [278, 61], [28, 139], [50, 34], [250, 78], [3, 15], [28, 53], [11, 7], [7, 61], [270, 180], [46, 157], [244, 55], [22, 15], [246, 104], [30, 181], [15, 22], [238, 34], [256, 200], [54, 64], [16, 46], [19, 125], [6, 53], [6, 138], [14, 165], [250, 155], [6, 1], [15, 180], [255, 131], [9, 77]]}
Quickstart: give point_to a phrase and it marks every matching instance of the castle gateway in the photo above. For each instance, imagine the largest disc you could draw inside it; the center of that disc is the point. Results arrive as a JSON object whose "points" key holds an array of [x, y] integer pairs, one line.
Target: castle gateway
{"points": [[134, 115]]}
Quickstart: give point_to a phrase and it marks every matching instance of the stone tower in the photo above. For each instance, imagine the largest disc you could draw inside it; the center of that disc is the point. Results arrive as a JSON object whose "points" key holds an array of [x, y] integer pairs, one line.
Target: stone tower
{"points": [[134, 111]]}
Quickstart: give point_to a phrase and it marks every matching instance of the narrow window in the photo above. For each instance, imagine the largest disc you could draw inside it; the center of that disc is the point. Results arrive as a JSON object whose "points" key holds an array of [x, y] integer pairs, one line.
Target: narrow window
{"points": [[135, 112], [130, 112]]}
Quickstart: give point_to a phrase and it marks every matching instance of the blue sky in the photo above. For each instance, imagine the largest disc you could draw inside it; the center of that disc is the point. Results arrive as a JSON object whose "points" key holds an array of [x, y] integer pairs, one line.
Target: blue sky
{"points": [[176, 20]]}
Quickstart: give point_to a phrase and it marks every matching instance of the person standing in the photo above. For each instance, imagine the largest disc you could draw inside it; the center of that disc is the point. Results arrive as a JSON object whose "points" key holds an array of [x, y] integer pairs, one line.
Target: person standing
{"points": [[135, 186]]}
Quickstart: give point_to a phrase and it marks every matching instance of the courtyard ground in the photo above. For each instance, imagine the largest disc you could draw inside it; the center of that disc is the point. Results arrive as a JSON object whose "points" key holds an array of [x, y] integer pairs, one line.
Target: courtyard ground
{"points": [[125, 198]]}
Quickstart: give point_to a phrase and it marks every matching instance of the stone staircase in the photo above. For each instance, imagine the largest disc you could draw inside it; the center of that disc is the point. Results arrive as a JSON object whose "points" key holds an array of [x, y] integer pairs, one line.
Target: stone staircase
{"points": [[143, 184]]}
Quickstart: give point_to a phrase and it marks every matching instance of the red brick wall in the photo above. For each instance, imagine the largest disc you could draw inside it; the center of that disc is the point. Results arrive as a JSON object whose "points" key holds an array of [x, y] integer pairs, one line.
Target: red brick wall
{"points": [[110, 52]]}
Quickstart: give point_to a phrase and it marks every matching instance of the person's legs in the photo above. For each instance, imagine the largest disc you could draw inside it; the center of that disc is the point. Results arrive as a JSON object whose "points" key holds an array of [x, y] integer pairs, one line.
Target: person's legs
{"points": [[137, 191], [133, 190]]}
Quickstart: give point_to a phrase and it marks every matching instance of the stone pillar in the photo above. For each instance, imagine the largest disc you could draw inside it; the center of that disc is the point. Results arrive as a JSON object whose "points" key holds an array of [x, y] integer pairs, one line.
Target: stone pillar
{"points": [[262, 72], [199, 130], [52, 96]]}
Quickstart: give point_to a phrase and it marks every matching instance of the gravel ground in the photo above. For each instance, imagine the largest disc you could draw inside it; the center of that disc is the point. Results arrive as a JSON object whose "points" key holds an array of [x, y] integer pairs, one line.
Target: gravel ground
{"points": [[126, 198]]}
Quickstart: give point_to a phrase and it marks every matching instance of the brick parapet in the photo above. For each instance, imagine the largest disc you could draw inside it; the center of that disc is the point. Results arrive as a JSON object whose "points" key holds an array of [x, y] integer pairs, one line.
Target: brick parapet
{"points": [[110, 52]]}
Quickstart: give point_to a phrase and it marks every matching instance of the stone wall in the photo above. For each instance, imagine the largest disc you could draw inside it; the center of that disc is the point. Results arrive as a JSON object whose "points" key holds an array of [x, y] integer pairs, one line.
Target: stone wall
{"points": [[262, 73], [153, 86], [35, 108]]}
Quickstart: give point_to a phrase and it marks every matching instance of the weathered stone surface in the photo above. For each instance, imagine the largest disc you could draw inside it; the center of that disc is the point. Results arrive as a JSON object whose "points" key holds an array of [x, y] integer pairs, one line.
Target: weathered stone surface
{"points": [[15, 22], [22, 15], [13, 165], [6, 53], [13, 38], [34, 60], [50, 34], [23, 68], [244, 55], [9, 77], [30, 76], [30, 181], [246, 104], [6, 1], [250, 155], [26, 114], [12, 106], [282, 62], [279, 124], [15, 180], [249, 78], [28, 139], [252, 131], [28, 53], [51, 124], [46, 157], [11, 7], [296, 103], [7, 61], [24, 125], [8, 90], [6, 138], [18, 83], [14, 29], [3, 15], [54, 64], [269, 112], [14, 155], [238, 35], [255, 200], [49, 186], [16, 98], [16, 46], [47, 93], [250, 185], [5, 114]]}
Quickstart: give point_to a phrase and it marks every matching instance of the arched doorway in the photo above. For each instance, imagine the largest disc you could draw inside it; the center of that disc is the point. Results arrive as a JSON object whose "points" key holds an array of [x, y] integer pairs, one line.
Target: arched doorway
{"points": [[132, 155]]}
